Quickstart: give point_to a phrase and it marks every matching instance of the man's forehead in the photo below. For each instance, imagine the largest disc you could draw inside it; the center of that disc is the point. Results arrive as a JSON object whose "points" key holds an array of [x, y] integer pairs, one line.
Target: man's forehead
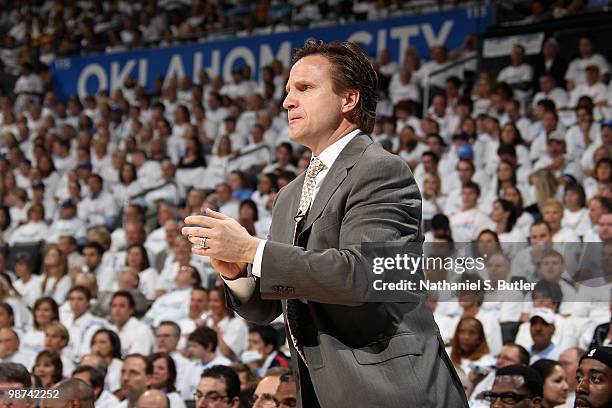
{"points": [[211, 384], [589, 364], [514, 381]]}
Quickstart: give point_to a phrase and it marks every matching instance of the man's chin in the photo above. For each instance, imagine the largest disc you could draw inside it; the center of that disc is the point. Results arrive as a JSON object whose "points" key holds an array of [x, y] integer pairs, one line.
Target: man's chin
{"points": [[582, 403]]}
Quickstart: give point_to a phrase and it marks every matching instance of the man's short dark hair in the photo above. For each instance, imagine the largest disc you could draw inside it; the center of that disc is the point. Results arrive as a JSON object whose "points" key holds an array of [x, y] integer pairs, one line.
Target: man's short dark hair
{"points": [[268, 335], [79, 288], [204, 336], [96, 376], [97, 247], [227, 374], [547, 290], [145, 359], [473, 186], [127, 295], [533, 381], [524, 357], [351, 70], [15, 372], [174, 325]]}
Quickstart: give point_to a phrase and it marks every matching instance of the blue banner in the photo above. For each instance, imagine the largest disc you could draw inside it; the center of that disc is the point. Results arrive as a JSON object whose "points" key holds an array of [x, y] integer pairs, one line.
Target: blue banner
{"points": [[87, 75]]}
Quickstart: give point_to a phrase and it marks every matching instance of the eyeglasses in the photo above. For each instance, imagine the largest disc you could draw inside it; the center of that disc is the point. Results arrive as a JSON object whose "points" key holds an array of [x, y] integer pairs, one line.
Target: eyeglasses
{"points": [[509, 398], [266, 400], [211, 397]]}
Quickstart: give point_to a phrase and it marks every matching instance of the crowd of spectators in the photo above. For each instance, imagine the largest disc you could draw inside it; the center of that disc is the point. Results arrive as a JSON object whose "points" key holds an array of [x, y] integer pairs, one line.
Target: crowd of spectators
{"points": [[44, 30], [97, 282]]}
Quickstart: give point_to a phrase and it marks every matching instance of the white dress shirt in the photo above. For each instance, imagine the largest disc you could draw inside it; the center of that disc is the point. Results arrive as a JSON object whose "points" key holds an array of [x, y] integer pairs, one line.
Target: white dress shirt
{"points": [[243, 287]]}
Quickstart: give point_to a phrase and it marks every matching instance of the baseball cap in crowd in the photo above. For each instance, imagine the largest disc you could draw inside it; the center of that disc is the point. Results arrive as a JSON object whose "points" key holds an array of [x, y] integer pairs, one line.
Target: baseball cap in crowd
{"points": [[607, 123], [602, 354], [465, 151], [84, 165], [556, 136], [543, 313], [69, 202], [22, 257]]}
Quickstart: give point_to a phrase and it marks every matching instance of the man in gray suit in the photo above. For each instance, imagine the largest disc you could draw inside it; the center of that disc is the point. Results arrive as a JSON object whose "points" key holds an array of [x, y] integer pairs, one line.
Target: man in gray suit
{"points": [[347, 351]]}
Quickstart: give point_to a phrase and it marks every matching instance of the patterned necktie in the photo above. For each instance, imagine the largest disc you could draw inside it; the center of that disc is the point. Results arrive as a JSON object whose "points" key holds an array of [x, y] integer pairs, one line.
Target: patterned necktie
{"points": [[314, 168]]}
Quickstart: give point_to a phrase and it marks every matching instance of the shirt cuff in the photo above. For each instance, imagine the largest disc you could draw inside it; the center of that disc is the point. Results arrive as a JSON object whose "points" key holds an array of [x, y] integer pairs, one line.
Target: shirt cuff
{"points": [[242, 288], [258, 258]]}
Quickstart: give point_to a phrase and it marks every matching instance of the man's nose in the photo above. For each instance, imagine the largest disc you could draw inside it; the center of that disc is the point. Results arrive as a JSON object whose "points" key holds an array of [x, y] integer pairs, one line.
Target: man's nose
{"points": [[289, 101], [582, 387]]}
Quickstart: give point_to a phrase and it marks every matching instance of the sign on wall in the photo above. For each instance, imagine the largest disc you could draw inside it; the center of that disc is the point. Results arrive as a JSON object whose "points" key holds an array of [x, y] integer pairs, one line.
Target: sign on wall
{"points": [[87, 75]]}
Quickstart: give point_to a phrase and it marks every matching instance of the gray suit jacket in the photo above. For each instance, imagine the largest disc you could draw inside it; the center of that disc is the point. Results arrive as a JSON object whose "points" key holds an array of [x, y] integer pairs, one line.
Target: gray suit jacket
{"points": [[358, 353]]}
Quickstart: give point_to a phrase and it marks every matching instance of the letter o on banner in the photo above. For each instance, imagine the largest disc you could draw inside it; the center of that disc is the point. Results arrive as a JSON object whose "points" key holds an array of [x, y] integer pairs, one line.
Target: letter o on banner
{"points": [[235, 54], [92, 70]]}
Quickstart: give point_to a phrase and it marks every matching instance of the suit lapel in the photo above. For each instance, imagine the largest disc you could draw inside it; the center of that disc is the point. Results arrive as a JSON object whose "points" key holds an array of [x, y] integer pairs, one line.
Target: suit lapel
{"points": [[336, 175]]}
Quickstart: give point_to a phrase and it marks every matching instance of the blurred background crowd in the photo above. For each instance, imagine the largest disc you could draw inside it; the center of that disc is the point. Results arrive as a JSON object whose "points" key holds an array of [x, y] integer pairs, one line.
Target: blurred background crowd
{"points": [[97, 282]]}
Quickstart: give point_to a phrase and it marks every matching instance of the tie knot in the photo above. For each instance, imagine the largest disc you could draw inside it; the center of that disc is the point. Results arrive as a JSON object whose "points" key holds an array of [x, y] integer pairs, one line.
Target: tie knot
{"points": [[315, 167]]}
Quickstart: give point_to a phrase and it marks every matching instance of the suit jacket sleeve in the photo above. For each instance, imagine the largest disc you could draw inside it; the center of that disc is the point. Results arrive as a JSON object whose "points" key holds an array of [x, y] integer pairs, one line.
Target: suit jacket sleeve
{"points": [[381, 203]]}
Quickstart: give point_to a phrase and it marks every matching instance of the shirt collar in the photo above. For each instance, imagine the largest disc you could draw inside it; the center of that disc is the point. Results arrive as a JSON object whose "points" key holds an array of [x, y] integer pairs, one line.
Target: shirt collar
{"points": [[331, 153]]}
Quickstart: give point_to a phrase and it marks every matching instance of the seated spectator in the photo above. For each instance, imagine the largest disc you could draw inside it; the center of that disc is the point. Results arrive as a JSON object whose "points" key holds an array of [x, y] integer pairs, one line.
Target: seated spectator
{"points": [[11, 351], [516, 384], [264, 341], [202, 349], [551, 268], [34, 229], [569, 360], [135, 377], [167, 337], [174, 305], [68, 224], [155, 398], [519, 75], [81, 324], [45, 311], [550, 90], [594, 388], [95, 378], [135, 335], [29, 286], [583, 134], [235, 332], [470, 220], [106, 346], [57, 339], [99, 208], [542, 328], [592, 87], [286, 392], [218, 384], [55, 282], [48, 368], [14, 376], [72, 392], [510, 354], [576, 71], [553, 216], [555, 387], [137, 257], [469, 347], [265, 392], [198, 309], [164, 377]]}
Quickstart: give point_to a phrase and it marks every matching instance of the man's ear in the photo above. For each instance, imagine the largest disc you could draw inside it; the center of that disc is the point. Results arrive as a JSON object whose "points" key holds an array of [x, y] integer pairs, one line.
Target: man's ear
{"points": [[350, 100], [537, 402]]}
